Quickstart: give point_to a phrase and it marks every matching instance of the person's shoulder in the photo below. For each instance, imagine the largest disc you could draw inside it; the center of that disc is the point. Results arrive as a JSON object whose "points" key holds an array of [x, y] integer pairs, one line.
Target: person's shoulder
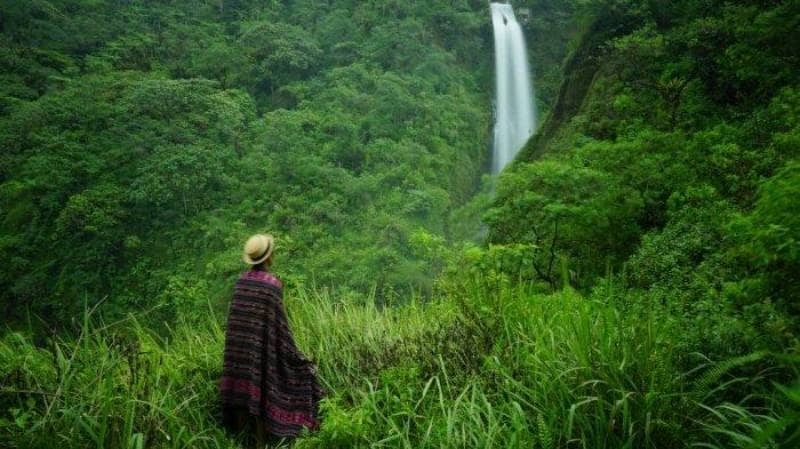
{"points": [[262, 276]]}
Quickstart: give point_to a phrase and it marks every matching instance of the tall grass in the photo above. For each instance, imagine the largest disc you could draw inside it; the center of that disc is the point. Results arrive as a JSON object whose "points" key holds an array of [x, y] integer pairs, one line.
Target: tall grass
{"points": [[483, 366], [113, 388]]}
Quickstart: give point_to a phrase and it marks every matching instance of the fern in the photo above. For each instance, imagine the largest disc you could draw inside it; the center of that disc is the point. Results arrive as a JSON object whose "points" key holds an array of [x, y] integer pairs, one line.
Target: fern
{"points": [[714, 374], [545, 437]]}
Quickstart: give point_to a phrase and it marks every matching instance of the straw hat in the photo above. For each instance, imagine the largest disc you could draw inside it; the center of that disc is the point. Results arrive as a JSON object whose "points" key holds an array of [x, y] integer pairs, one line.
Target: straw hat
{"points": [[258, 248]]}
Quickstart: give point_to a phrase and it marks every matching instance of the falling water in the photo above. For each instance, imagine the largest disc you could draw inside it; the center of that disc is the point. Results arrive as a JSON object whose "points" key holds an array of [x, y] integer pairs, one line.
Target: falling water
{"points": [[515, 118]]}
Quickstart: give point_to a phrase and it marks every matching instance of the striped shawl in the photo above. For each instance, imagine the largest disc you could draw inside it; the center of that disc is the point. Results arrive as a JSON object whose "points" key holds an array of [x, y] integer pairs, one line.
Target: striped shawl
{"points": [[263, 371]]}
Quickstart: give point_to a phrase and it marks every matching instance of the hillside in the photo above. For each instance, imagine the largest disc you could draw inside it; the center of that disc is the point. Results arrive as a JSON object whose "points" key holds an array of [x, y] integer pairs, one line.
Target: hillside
{"points": [[142, 142], [669, 165]]}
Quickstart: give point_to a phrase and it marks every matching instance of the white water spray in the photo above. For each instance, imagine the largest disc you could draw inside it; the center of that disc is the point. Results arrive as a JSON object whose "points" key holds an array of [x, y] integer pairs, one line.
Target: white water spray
{"points": [[515, 117]]}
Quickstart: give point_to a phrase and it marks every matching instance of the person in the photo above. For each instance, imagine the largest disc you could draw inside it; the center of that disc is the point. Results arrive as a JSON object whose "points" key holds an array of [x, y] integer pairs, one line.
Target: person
{"points": [[266, 380]]}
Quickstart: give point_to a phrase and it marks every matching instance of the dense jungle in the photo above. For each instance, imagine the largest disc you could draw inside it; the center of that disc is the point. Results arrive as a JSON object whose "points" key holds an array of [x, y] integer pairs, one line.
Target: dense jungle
{"points": [[631, 280]]}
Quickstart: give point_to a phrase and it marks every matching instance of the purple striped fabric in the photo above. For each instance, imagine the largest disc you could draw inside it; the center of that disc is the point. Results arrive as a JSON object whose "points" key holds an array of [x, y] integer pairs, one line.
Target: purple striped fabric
{"points": [[263, 371]]}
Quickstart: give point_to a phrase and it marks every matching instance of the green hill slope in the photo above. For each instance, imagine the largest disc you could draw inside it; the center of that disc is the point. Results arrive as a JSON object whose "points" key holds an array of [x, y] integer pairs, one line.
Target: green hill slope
{"points": [[143, 142], [669, 164]]}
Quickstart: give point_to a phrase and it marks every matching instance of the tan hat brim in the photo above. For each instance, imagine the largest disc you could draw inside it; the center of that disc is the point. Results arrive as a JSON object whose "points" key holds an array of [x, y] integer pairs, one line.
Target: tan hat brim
{"points": [[250, 261]]}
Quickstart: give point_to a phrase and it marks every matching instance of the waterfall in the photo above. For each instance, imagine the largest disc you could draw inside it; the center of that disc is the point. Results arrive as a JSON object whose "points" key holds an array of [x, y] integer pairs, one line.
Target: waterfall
{"points": [[515, 119]]}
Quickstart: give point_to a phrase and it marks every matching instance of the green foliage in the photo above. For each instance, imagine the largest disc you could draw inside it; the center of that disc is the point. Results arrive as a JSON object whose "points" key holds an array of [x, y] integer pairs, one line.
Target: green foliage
{"points": [[694, 230], [135, 131], [142, 142], [277, 53], [766, 246], [564, 211], [490, 365], [674, 173], [773, 224], [112, 389], [670, 168]]}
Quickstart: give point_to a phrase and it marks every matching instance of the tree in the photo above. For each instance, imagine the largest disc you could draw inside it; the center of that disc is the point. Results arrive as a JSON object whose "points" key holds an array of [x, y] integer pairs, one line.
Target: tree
{"points": [[564, 211]]}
